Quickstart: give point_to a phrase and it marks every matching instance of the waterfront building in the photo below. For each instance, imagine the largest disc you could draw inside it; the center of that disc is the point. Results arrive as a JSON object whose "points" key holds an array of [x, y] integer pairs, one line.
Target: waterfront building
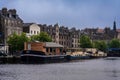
{"points": [[102, 34], [31, 29], [65, 37], [53, 31], [69, 38], [118, 34], [10, 22]]}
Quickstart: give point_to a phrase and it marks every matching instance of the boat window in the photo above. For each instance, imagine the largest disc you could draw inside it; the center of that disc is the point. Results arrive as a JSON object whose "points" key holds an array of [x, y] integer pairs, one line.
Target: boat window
{"points": [[50, 49]]}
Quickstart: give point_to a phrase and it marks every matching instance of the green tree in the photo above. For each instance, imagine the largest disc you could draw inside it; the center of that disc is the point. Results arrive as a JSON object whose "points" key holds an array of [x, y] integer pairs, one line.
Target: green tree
{"points": [[22, 39], [114, 43], [42, 37], [34, 37], [16, 42], [100, 45], [85, 42]]}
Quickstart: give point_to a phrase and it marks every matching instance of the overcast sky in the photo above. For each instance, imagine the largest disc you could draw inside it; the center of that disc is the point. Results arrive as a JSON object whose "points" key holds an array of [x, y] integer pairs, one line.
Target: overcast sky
{"points": [[69, 13]]}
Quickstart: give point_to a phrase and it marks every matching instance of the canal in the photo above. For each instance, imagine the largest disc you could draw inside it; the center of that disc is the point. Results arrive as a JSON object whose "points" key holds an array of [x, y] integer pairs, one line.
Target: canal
{"points": [[96, 69]]}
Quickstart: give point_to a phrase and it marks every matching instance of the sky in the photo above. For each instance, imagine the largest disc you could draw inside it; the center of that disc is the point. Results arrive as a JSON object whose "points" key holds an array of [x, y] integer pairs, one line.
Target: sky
{"points": [[70, 13]]}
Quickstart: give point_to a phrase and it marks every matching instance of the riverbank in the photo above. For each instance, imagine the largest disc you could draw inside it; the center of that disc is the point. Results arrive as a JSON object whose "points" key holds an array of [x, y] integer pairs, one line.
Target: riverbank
{"points": [[10, 59]]}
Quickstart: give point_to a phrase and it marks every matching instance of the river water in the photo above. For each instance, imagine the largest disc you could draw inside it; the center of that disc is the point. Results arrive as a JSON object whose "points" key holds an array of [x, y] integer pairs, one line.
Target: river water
{"points": [[96, 69]]}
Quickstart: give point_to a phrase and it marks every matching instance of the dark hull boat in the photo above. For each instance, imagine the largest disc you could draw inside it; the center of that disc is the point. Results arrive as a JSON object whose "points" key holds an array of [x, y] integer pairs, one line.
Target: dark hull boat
{"points": [[29, 56], [113, 52]]}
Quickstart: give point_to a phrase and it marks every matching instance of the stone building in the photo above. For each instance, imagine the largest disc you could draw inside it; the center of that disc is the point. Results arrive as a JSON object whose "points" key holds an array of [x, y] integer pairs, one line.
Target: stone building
{"points": [[31, 29], [118, 34], [65, 37], [75, 36], [53, 31], [102, 34], [10, 22], [69, 38]]}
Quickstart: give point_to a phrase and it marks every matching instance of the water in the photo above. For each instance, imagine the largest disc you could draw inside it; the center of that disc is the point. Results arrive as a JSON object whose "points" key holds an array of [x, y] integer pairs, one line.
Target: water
{"points": [[97, 69]]}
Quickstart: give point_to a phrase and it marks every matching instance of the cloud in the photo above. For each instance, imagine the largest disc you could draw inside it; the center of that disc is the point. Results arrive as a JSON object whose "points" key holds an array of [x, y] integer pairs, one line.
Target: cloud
{"points": [[71, 13]]}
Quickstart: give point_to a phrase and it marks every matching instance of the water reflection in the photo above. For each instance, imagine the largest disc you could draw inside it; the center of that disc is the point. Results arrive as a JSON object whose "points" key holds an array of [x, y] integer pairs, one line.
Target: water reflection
{"points": [[98, 69], [113, 69]]}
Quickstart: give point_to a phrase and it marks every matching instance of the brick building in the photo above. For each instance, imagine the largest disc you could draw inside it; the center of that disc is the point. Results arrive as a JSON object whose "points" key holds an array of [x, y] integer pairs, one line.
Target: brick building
{"points": [[50, 48]]}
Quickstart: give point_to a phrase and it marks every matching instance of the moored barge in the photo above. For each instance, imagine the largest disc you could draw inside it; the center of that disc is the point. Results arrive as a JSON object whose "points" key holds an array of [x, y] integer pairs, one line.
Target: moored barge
{"points": [[30, 56]]}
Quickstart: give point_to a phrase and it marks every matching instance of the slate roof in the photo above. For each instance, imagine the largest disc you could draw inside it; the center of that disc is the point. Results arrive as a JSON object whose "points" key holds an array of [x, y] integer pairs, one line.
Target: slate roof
{"points": [[11, 18], [52, 44], [27, 24]]}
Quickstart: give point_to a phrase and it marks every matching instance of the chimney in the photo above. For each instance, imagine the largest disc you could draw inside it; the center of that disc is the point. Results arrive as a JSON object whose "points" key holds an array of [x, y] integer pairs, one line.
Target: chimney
{"points": [[4, 11], [12, 12]]}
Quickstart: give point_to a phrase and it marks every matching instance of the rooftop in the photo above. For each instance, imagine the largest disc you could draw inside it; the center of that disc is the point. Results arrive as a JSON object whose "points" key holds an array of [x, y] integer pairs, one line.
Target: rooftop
{"points": [[52, 44], [100, 30], [27, 24], [118, 30]]}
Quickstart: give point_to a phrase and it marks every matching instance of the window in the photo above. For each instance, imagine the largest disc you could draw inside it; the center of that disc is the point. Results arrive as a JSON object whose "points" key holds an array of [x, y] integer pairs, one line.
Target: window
{"points": [[57, 30], [61, 50], [56, 36], [46, 49], [31, 31], [37, 32], [50, 49], [53, 49], [72, 40], [34, 32], [72, 45]]}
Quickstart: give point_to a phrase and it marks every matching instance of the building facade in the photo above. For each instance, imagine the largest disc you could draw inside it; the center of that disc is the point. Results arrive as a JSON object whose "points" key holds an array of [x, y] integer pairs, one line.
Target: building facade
{"points": [[10, 22], [118, 34], [102, 34], [69, 38], [31, 29], [75, 36]]}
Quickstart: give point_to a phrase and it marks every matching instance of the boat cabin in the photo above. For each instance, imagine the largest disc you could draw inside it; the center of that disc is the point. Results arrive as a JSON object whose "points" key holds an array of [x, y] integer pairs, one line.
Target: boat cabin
{"points": [[49, 48]]}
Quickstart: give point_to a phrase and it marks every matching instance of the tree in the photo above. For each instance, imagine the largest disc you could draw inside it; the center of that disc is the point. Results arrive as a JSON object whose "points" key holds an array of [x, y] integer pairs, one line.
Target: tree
{"points": [[34, 37], [114, 43], [42, 37], [22, 39], [85, 42], [16, 42], [100, 45]]}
